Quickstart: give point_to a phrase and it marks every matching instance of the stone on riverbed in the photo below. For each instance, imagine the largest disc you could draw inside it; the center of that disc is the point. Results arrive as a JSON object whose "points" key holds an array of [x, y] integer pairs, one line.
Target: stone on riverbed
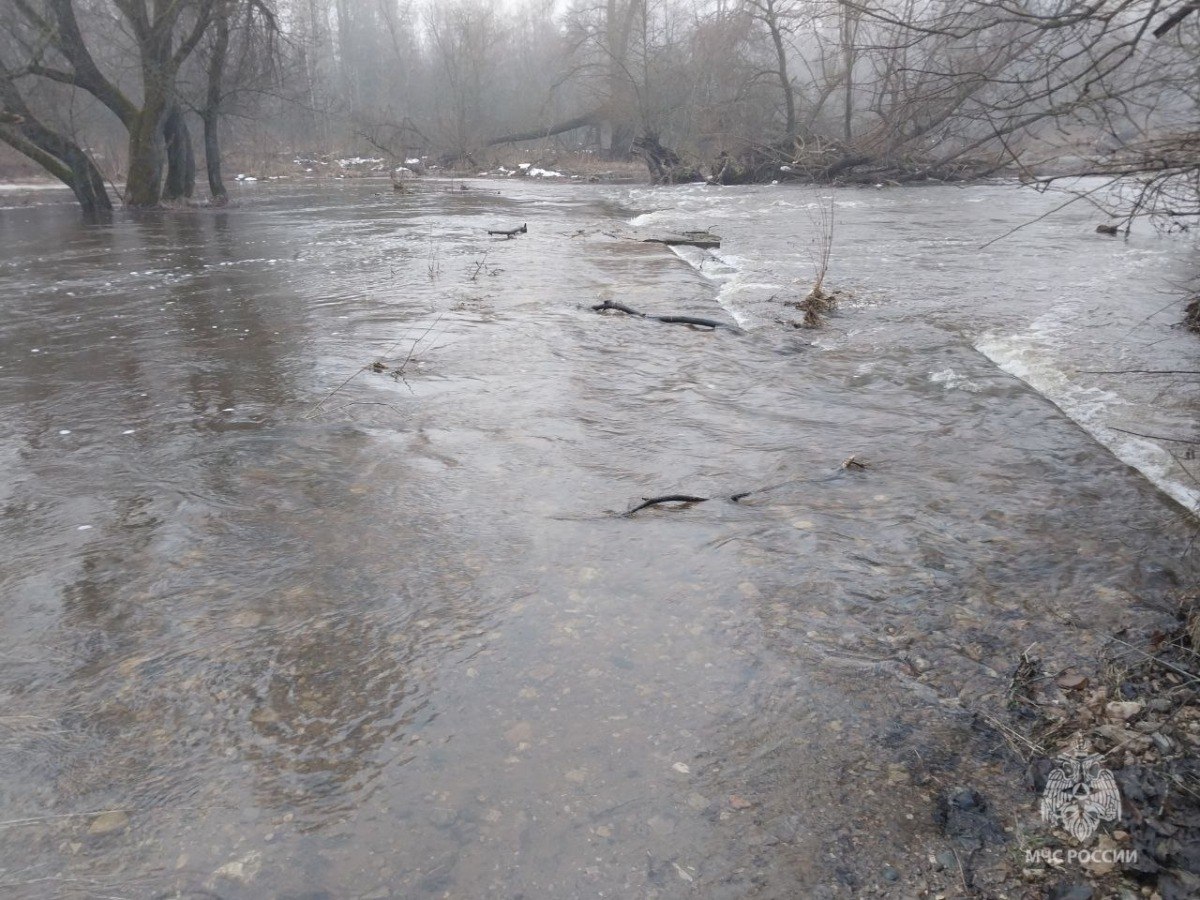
{"points": [[107, 823]]}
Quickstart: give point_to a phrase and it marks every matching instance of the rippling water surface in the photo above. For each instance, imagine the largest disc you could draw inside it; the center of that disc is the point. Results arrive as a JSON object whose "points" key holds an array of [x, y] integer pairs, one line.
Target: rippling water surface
{"points": [[300, 628]]}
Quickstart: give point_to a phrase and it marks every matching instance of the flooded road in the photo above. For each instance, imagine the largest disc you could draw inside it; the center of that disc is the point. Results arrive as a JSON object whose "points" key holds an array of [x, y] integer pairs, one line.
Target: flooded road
{"points": [[277, 624]]}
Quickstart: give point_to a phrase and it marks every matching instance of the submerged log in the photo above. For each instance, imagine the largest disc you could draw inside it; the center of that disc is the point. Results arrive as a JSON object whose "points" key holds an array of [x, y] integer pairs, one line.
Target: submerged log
{"points": [[511, 232], [703, 239]]}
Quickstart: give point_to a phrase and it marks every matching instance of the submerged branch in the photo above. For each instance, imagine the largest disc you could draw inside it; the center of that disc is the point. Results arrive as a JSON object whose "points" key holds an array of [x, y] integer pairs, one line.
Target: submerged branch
{"points": [[670, 320]]}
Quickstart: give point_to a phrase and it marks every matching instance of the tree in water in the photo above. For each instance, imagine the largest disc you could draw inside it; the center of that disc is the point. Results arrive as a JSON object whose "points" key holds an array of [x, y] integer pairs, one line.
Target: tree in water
{"points": [[163, 38], [55, 152]]}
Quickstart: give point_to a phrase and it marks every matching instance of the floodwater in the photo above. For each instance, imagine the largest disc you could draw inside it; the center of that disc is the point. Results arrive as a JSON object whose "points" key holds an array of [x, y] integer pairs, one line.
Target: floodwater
{"points": [[278, 625]]}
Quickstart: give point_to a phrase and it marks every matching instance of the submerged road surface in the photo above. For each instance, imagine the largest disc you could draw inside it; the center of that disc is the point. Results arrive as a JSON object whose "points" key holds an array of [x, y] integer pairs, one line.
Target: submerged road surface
{"points": [[277, 622]]}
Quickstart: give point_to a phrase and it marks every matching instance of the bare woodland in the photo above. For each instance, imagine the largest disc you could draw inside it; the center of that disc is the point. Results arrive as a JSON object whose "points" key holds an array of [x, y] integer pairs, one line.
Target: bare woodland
{"points": [[121, 98]]}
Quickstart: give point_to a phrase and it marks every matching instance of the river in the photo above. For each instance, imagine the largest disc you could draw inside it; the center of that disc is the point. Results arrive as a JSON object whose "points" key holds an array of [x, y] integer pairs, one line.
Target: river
{"points": [[277, 624]]}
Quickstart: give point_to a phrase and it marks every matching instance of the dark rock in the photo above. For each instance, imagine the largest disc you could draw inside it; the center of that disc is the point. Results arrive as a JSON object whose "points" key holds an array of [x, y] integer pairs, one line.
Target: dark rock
{"points": [[966, 798], [1067, 891], [963, 815], [890, 874], [1179, 885], [1036, 774], [947, 860]]}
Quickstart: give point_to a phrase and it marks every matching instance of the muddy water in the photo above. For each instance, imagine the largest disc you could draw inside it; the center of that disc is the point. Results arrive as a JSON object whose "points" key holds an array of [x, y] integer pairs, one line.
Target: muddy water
{"points": [[278, 626]]}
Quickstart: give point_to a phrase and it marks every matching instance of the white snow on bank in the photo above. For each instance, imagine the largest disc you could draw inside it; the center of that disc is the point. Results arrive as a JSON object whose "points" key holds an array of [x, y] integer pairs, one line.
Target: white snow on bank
{"points": [[15, 186]]}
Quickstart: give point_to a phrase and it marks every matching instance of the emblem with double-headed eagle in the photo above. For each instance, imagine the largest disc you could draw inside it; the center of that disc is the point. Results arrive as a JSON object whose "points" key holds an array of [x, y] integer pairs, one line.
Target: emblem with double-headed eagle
{"points": [[1080, 793]]}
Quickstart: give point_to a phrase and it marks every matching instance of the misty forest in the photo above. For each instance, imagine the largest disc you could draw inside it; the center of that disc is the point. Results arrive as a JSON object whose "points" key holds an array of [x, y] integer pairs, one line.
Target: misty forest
{"points": [[599, 448]]}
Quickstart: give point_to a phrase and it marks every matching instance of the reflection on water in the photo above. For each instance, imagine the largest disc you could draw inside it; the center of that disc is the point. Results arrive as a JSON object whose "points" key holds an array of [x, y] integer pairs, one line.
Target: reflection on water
{"points": [[399, 643]]}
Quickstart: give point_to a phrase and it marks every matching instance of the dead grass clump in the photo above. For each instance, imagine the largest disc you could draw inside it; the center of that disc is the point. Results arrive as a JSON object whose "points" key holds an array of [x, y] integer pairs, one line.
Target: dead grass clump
{"points": [[1191, 315]]}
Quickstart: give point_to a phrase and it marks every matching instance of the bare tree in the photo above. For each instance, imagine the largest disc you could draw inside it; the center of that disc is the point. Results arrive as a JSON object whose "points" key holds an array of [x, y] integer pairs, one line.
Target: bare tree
{"points": [[163, 37]]}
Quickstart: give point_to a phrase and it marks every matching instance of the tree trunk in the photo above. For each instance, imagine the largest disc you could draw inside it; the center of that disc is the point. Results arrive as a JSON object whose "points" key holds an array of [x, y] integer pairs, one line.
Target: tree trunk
{"points": [[211, 113], [65, 160], [212, 161], [537, 134], [181, 161], [849, 32], [785, 81], [620, 125], [147, 153], [54, 152]]}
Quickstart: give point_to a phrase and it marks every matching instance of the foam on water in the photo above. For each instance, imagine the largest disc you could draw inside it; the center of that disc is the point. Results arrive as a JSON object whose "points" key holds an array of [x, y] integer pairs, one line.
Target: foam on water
{"points": [[731, 281], [1031, 357]]}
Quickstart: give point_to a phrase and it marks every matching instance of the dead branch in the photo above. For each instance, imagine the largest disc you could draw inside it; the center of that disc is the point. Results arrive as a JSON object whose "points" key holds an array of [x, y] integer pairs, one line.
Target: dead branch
{"points": [[510, 232], [667, 498], [671, 320]]}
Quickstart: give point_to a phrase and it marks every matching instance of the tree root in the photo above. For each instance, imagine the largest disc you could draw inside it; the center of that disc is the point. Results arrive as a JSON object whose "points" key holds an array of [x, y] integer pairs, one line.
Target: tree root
{"points": [[815, 306], [670, 320]]}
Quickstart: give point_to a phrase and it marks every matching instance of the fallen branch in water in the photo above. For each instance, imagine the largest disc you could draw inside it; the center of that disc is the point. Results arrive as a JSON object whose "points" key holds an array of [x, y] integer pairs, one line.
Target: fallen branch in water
{"points": [[668, 498], [510, 232], [850, 463], [670, 320], [1153, 437], [685, 498]]}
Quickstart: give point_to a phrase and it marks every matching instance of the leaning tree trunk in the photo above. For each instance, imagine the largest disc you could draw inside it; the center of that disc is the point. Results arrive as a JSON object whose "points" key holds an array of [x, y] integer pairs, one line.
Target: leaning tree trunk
{"points": [[181, 161], [66, 161], [54, 152]]}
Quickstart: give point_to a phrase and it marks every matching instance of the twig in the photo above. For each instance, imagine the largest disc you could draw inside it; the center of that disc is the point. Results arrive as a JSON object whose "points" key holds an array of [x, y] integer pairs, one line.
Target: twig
{"points": [[1154, 437], [961, 873], [479, 264], [1190, 676], [1140, 371], [399, 369]]}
